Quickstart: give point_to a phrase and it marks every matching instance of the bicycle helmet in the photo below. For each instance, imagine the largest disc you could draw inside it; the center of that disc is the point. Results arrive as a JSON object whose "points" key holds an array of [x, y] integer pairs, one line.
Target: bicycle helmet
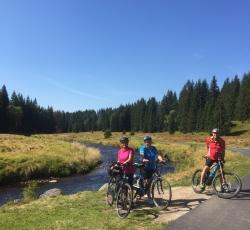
{"points": [[215, 130], [124, 140], [147, 138]]}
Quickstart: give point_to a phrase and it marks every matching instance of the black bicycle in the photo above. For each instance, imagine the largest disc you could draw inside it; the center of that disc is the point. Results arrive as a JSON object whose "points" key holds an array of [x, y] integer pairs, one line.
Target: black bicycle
{"points": [[114, 172], [225, 184], [120, 191], [160, 189]]}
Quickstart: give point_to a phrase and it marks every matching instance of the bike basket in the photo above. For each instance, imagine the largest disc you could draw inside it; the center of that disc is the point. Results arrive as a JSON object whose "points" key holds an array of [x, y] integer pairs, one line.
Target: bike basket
{"points": [[114, 170]]}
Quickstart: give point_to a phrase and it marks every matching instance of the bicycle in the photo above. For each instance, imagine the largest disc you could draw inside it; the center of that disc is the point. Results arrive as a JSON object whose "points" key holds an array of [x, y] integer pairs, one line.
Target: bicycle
{"points": [[120, 191], [225, 184], [114, 171], [160, 189]]}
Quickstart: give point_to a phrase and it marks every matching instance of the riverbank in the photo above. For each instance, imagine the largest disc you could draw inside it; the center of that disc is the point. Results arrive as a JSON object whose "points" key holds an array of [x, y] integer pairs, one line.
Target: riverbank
{"points": [[23, 158], [91, 181], [185, 151]]}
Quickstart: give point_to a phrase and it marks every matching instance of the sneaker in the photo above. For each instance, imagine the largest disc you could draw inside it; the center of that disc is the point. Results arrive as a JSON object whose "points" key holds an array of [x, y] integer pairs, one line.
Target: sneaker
{"points": [[224, 188], [202, 186]]}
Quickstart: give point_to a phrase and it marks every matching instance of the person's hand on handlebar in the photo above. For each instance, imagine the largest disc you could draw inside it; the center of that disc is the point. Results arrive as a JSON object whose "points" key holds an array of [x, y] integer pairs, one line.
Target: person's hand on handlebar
{"points": [[145, 160]]}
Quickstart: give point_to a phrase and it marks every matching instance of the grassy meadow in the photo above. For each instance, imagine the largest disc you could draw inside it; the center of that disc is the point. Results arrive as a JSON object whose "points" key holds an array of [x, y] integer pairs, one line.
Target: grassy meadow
{"points": [[35, 155], [184, 150], [23, 158], [85, 210]]}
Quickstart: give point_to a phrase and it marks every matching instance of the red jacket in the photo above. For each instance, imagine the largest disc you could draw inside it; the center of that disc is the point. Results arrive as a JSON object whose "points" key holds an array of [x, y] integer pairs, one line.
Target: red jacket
{"points": [[215, 147]]}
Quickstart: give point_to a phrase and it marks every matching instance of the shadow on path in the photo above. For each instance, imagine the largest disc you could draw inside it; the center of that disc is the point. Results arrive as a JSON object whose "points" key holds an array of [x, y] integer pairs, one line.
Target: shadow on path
{"points": [[243, 195], [187, 204], [142, 209]]}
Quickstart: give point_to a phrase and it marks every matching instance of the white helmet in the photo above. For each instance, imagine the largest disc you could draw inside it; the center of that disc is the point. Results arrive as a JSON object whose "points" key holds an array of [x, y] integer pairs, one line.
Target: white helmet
{"points": [[215, 130]]}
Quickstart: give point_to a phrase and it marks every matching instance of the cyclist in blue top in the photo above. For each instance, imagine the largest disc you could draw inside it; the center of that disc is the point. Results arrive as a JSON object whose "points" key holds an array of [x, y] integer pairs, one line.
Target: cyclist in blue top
{"points": [[149, 155]]}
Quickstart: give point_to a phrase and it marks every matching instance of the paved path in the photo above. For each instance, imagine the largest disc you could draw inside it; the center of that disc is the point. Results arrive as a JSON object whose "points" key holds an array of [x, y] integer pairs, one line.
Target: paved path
{"points": [[219, 214]]}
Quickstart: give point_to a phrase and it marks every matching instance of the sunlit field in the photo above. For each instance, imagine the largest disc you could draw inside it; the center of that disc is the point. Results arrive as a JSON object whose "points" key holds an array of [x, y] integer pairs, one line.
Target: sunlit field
{"points": [[185, 151], [23, 158], [62, 154]]}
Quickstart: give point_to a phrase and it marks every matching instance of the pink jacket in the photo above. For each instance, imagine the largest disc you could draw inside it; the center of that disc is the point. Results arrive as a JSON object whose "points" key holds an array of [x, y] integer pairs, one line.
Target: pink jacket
{"points": [[123, 155]]}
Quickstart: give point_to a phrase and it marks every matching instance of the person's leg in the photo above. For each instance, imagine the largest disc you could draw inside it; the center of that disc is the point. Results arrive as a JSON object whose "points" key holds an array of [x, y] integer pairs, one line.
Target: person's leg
{"points": [[130, 179], [148, 179], [204, 172], [206, 168]]}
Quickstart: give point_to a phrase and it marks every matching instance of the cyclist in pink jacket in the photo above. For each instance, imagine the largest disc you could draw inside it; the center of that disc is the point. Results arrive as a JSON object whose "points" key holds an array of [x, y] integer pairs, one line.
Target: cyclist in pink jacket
{"points": [[126, 158]]}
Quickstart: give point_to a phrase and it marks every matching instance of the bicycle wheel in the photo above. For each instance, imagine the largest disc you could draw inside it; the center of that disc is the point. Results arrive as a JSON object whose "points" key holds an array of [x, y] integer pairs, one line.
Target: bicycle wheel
{"points": [[124, 200], [161, 193], [230, 188], [111, 192], [196, 179]]}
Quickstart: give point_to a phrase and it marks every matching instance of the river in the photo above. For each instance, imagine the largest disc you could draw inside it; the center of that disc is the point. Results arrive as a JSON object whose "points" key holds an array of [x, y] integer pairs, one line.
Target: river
{"points": [[73, 184]]}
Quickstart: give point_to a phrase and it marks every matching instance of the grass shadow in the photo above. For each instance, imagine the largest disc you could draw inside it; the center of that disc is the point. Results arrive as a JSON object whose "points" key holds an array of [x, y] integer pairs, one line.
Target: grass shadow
{"points": [[141, 213]]}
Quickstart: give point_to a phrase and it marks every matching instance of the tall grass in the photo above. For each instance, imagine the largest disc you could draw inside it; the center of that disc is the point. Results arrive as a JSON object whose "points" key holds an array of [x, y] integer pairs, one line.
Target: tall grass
{"points": [[30, 191], [23, 158]]}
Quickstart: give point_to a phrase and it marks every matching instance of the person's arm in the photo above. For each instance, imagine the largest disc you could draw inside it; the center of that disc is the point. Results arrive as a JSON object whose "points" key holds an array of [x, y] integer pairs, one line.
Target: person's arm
{"points": [[207, 148], [159, 156], [142, 155]]}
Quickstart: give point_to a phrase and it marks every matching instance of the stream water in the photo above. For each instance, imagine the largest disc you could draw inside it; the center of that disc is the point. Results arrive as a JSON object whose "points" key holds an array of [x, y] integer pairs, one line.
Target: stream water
{"points": [[73, 184]]}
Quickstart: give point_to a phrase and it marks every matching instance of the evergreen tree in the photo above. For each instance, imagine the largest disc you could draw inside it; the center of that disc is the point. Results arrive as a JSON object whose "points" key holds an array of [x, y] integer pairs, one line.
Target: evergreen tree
{"points": [[168, 103], [184, 106], [210, 108], [202, 89], [229, 95], [151, 116], [170, 122], [243, 103], [4, 103], [15, 118]]}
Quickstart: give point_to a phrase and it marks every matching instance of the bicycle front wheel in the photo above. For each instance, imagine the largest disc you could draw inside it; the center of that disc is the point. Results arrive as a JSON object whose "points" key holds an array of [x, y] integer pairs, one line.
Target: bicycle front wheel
{"points": [[230, 188], [111, 192], [196, 181], [161, 193], [124, 200]]}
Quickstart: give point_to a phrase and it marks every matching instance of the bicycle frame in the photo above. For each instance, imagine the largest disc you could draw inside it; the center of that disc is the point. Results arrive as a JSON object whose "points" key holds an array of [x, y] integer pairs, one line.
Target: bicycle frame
{"points": [[156, 176], [217, 167]]}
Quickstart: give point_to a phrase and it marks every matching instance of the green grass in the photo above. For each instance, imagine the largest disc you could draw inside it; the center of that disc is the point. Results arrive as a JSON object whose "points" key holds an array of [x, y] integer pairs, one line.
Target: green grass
{"points": [[241, 128], [86, 210], [24, 158]]}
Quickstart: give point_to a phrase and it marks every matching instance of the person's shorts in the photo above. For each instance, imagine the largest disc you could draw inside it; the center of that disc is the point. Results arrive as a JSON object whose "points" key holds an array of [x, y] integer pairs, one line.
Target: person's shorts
{"points": [[147, 174], [130, 179], [210, 162]]}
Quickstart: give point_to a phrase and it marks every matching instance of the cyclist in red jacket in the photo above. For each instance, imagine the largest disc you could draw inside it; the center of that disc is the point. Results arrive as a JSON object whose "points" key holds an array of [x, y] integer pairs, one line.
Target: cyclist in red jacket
{"points": [[215, 149]]}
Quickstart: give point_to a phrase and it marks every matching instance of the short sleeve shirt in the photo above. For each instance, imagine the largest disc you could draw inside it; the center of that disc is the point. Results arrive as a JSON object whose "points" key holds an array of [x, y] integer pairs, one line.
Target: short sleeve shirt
{"points": [[215, 147], [123, 155], [150, 154]]}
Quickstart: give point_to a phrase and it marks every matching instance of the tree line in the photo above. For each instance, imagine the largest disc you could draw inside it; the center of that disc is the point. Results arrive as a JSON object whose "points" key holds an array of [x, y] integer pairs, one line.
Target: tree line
{"points": [[199, 107]]}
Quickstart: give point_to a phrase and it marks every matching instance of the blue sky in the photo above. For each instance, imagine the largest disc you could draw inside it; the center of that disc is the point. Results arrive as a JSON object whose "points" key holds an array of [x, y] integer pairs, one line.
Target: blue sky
{"points": [[92, 54]]}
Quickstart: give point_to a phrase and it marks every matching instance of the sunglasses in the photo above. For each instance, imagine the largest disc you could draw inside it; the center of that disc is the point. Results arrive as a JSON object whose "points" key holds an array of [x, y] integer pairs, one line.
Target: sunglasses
{"points": [[123, 142]]}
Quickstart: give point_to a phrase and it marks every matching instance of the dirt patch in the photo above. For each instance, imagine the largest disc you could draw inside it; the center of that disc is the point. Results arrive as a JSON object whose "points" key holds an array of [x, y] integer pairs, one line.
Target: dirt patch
{"points": [[183, 200]]}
